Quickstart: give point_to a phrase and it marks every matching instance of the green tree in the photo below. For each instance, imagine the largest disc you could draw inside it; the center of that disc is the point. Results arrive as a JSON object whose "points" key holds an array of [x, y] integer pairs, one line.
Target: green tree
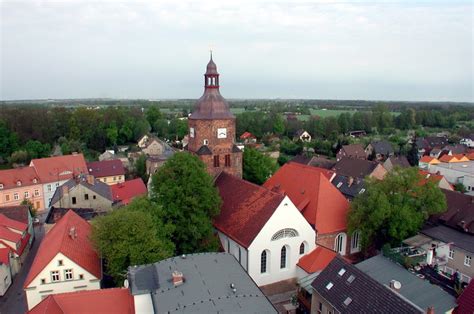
{"points": [[278, 124], [152, 114], [19, 157], [140, 168], [460, 187], [395, 208], [132, 235], [36, 149], [8, 141], [187, 193], [412, 155], [257, 167]]}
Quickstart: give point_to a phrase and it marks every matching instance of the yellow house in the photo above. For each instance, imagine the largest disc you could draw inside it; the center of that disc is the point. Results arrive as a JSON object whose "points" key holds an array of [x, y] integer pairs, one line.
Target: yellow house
{"points": [[108, 171]]}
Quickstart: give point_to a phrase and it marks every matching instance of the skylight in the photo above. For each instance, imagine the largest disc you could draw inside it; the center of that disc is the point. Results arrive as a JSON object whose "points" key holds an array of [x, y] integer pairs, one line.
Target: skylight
{"points": [[341, 272], [347, 301], [329, 285], [351, 278]]}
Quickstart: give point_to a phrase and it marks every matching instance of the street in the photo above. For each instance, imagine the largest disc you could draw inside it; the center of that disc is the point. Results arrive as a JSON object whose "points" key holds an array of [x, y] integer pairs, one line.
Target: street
{"points": [[14, 301]]}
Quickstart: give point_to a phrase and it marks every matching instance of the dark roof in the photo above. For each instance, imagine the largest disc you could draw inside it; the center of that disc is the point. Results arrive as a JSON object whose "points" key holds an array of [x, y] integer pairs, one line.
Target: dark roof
{"points": [[98, 187], [235, 149], [206, 287], [354, 167], [106, 168], [301, 159], [399, 161], [382, 147], [384, 270], [354, 150], [19, 213], [365, 293], [350, 191], [204, 150], [436, 141], [460, 211], [456, 149], [464, 241], [466, 300], [316, 161], [56, 213], [245, 209]]}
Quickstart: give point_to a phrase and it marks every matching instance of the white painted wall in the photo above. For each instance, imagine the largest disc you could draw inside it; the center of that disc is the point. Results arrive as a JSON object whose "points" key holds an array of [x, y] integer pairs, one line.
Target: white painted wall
{"points": [[48, 195], [232, 247], [285, 216], [5, 278], [36, 291]]}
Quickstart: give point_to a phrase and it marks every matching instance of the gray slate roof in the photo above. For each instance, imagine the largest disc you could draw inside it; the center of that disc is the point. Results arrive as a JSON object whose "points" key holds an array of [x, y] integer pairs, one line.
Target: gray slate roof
{"points": [[350, 191], [419, 291], [382, 147], [446, 234], [98, 187], [206, 287], [366, 294]]}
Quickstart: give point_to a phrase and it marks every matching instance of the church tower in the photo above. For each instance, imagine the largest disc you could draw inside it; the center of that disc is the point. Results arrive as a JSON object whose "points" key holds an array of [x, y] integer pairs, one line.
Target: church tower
{"points": [[212, 129]]}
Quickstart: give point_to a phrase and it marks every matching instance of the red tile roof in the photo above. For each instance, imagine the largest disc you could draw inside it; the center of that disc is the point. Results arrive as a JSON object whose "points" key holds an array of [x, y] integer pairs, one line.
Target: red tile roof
{"points": [[447, 158], [60, 167], [427, 159], [58, 240], [106, 168], [5, 255], [14, 224], [127, 190], [245, 209], [427, 176], [26, 175], [7, 234], [116, 300], [470, 156], [246, 135], [316, 260], [466, 300], [322, 204]]}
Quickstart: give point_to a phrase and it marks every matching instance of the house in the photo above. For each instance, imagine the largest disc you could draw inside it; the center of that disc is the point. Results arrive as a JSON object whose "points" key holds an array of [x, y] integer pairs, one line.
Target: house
{"points": [[436, 152], [108, 171], [359, 168], [343, 288], [396, 161], [352, 150], [143, 141], [248, 138], [14, 235], [466, 300], [419, 292], [380, 149], [436, 141], [455, 149], [21, 184], [65, 262], [107, 155], [350, 187], [448, 158], [426, 161], [322, 205], [438, 179], [263, 229], [196, 283], [155, 147], [115, 300], [5, 269], [125, 192], [303, 136], [310, 266], [22, 214], [83, 191], [456, 172], [319, 161], [357, 133], [56, 213], [55, 171], [468, 140]]}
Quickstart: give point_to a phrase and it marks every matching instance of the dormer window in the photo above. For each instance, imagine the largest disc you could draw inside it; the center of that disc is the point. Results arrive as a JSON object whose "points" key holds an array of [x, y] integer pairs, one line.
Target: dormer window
{"points": [[18, 183], [1, 186]]}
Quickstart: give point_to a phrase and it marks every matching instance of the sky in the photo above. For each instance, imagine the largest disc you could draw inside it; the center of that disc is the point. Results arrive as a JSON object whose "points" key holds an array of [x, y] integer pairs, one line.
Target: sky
{"points": [[373, 50]]}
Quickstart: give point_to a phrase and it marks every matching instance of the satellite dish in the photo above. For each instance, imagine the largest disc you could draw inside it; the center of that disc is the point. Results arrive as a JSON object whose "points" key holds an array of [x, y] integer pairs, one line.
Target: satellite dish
{"points": [[125, 283]]}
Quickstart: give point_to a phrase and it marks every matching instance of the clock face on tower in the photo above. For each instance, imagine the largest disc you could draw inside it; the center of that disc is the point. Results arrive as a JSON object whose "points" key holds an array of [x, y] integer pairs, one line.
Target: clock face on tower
{"points": [[222, 133]]}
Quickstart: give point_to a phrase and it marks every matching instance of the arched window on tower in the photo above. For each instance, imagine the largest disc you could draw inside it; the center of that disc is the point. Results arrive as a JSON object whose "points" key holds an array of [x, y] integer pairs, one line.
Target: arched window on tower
{"points": [[355, 242], [340, 244], [285, 233], [283, 257], [302, 248], [263, 262]]}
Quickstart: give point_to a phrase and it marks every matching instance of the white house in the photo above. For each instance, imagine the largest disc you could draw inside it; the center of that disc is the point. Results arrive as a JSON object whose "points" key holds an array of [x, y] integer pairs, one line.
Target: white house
{"points": [[5, 269], [468, 140], [65, 262], [263, 230], [303, 136]]}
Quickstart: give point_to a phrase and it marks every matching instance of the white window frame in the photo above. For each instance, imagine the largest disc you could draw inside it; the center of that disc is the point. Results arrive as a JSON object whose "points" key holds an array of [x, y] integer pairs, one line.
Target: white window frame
{"points": [[48, 187], [55, 273], [37, 192], [27, 194], [451, 253], [16, 196], [68, 274], [467, 260]]}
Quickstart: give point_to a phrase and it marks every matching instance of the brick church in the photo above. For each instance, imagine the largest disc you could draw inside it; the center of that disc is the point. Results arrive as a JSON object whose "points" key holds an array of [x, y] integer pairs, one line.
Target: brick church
{"points": [[212, 129]]}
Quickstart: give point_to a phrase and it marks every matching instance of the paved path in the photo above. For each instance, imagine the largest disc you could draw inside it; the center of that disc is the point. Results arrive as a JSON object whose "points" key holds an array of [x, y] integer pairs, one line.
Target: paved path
{"points": [[14, 301]]}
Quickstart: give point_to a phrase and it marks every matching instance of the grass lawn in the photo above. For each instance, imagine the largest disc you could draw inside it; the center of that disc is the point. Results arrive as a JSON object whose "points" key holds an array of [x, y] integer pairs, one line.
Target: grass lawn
{"points": [[329, 113]]}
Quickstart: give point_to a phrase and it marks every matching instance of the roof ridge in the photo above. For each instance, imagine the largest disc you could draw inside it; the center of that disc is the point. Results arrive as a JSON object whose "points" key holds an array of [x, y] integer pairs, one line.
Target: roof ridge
{"points": [[249, 183]]}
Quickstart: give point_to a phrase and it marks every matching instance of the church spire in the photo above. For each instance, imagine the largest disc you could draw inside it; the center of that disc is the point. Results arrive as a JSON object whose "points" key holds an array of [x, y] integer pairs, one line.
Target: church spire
{"points": [[211, 78]]}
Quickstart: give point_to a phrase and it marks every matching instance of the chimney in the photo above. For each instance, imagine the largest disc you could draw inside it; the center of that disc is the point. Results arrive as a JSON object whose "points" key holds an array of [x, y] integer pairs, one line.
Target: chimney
{"points": [[65, 189], [351, 181], [430, 310], [90, 179], [177, 278], [395, 285], [72, 233]]}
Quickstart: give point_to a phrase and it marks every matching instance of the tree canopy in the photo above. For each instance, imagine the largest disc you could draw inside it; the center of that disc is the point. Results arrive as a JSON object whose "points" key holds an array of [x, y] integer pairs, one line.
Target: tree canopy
{"points": [[257, 167], [132, 235], [394, 208], [190, 201]]}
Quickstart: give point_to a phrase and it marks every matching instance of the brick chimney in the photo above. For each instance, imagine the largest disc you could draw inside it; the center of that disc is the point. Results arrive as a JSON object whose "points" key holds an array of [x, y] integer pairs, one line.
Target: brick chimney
{"points": [[177, 278], [430, 310]]}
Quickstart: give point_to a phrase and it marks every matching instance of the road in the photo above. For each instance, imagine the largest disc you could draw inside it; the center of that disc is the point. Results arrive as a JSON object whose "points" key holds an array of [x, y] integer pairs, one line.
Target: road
{"points": [[14, 301]]}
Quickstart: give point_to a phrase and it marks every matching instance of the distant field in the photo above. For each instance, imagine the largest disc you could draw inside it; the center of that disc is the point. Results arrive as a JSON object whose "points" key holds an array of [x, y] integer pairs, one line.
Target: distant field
{"points": [[329, 113], [237, 110]]}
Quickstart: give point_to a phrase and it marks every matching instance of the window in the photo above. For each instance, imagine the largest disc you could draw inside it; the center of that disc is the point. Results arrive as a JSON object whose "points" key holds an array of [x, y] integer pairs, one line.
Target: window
{"points": [[37, 193], [361, 191], [227, 160], [216, 161], [206, 142], [7, 198], [320, 308], [347, 301], [60, 262], [27, 194], [37, 205], [68, 274], [329, 285], [16, 196], [467, 260], [285, 233], [86, 196], [355, 241], [240, 255], [339, 185], [351, 278], [115, 178], [302, 248], [340, 245], [105, 180], [74, 200], [43, 281], [1, 186], [263, 262], [341, 272], [451, 254], [81, 276], [35, 180], [57, 184], [93, 197], [49, 187], [55, 276], [120, 177], [228, 246], [18, 183], [283, 257]]}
